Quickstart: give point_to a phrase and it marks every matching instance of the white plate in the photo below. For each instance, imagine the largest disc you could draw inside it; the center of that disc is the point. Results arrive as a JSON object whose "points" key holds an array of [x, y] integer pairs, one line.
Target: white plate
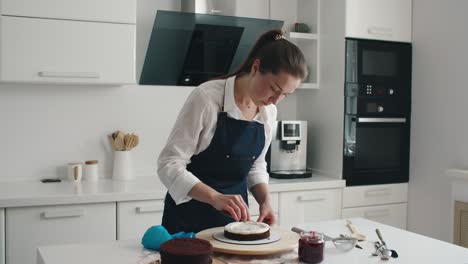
{"points": [[273, 238]]}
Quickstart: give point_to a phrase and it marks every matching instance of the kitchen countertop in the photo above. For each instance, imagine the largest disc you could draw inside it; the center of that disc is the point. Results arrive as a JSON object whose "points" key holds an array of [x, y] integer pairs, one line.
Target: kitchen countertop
{"points": [[36, 193], [411, 248]]}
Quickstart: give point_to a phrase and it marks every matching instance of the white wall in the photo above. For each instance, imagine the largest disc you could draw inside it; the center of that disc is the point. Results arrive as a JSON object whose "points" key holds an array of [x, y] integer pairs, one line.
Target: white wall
{"points": [[324, 107], [43, 127], [439, 123]]}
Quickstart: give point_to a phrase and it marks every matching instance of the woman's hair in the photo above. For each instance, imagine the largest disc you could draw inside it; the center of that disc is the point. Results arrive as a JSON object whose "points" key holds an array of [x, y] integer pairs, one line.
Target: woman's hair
{"points": [[276, 54]]}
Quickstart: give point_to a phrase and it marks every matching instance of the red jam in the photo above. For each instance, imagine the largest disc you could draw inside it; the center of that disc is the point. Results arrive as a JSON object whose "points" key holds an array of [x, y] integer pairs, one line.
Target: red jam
{"points": [[311, 246]]}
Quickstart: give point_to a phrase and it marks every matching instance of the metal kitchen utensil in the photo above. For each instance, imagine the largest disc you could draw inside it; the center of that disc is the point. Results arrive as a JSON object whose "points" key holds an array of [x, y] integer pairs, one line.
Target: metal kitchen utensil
{"points": [[381, 248], [341, 243], [394, 254], [382, 251], [344, 243], [357, 246]]}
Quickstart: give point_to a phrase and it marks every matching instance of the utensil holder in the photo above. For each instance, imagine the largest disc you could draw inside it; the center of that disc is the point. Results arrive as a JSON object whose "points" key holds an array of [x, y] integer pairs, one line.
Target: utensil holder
{"points": [[123, 166]]}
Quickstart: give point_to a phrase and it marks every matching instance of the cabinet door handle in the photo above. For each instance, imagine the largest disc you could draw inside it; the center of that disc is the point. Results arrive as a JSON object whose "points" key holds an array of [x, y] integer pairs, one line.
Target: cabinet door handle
{"points": [[216, 11], [310, 198], [378, 192], [377, 213], [149, 209], [63, 214], [380, 31], [380, 120], [89, 75]]}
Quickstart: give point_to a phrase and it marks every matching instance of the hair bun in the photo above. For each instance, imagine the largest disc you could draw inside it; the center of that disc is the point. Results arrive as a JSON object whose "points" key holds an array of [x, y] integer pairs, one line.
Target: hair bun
{"points": [[279, 36]]}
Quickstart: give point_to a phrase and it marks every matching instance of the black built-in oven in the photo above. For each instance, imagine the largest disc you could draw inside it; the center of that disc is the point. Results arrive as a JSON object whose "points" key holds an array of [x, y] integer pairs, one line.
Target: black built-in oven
{"points": [[377, 112]]}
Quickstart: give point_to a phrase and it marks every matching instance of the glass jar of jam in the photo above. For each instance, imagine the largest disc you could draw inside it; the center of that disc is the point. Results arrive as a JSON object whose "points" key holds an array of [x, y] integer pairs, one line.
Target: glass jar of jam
{"points": [[311, 246]]}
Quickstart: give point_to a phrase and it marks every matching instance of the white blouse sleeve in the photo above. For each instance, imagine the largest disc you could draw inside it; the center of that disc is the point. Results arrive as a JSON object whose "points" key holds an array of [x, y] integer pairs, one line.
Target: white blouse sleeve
{"points": [[181, 146], [258, 173]]}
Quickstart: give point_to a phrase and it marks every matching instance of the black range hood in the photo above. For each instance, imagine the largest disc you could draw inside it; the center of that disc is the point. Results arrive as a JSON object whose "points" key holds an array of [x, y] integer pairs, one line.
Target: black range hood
{"points": [[189, 48]]}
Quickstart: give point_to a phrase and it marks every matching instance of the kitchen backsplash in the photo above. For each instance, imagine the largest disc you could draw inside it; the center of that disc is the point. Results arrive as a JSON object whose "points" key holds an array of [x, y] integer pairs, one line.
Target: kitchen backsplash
{"points": [[43, 127]]}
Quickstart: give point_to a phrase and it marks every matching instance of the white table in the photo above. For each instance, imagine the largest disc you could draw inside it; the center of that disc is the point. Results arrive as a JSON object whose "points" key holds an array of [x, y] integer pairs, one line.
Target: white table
{"points": [[412, 248]]}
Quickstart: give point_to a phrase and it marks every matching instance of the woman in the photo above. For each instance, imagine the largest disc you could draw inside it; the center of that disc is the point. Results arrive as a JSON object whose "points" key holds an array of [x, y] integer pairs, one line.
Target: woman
{"points": [[218, 144]]}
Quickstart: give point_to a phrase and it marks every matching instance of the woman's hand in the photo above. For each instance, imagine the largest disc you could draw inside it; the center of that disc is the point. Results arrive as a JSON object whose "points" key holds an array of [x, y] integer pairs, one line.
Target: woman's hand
{"points": [[260, 192], [267, 215], [234, 205]]}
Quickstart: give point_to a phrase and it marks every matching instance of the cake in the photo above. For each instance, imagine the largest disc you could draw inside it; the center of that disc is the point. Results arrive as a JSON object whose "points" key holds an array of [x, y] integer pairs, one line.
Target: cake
{"points": [[186, 251], [247, 231]]}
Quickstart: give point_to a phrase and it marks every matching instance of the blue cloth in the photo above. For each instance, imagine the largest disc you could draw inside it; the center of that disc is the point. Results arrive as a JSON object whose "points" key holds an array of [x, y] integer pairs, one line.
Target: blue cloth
{"points": [[155, 236], [223, 166]]}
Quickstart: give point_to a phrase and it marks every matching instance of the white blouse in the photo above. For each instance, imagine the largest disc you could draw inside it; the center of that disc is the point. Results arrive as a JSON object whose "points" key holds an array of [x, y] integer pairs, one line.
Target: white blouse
{"points": [[193, 131]]}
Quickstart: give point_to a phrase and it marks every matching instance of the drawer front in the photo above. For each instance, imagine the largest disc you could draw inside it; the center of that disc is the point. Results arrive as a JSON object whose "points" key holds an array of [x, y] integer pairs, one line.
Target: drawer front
{"points": [[122, 11], [375, 195], [392, 214], [2, 236], [30, 227], [59, 51], [254, 207], [134, 218], [309, 206]]}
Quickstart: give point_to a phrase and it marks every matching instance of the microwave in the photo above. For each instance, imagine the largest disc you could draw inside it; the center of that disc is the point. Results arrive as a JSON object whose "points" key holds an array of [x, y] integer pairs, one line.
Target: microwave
{"points": [[377, 62]]}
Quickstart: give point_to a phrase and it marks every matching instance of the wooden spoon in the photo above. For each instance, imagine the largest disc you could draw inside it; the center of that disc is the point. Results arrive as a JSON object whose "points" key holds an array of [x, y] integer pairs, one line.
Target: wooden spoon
{"points": [[354, 232], [127, 141], [131, 144], [136, 140], [119, 141]]}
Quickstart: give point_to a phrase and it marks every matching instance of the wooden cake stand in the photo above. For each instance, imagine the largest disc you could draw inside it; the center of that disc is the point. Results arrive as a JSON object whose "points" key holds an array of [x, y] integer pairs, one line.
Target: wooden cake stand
{"points": [[288, 241]]}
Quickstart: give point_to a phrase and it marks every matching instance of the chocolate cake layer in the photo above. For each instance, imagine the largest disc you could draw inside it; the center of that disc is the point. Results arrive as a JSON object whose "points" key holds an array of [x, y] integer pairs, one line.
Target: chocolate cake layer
{"points": [[187, 251], [246, 237]]}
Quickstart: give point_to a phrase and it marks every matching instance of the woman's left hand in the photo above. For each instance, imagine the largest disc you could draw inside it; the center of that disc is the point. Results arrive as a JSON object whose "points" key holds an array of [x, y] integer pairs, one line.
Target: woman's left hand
{"points": [[267, 215]]}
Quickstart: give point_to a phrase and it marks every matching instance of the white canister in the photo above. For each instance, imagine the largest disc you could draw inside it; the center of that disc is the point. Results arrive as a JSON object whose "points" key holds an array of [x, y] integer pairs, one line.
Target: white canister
{"points": [[75, 171], [91, 170], [123, 166]]}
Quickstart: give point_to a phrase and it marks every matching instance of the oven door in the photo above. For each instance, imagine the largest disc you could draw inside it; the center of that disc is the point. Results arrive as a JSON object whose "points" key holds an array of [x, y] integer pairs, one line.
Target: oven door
{"points": [[377, 62], [376, 150]]}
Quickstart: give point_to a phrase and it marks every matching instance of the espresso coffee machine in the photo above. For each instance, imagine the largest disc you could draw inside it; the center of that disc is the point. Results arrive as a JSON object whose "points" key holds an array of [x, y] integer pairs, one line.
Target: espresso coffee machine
{"points": [[288, 150]]}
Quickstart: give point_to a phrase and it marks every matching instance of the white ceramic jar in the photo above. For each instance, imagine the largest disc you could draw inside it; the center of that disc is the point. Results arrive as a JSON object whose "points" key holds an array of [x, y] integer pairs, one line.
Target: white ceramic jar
{"points": [[91, 170], [75, 171], [123, 166]]}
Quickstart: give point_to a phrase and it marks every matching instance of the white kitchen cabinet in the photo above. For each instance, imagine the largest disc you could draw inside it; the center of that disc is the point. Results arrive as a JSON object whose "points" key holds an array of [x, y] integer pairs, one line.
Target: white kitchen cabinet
{"points": [[390, 214], [135, 217], [309, 206], [30, 227], [120, 11], [385, 203], [249, 8], [48, 50], [379, 19], [375, 194], [2, 236], [68, 42], [239, 8]]}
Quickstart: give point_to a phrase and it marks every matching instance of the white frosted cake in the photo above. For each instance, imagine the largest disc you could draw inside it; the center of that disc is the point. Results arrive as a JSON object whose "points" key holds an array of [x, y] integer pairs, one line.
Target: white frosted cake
{"points": [[247, 231]]}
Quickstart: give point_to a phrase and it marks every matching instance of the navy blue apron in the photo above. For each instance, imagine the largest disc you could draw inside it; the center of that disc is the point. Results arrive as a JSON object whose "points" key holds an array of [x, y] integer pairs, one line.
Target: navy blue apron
{"points": [[223, 166]]}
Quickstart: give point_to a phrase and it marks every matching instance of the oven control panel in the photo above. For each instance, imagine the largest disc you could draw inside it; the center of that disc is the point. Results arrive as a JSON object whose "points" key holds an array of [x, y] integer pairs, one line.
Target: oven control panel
{"points": [[377, 90], [369, 90]]}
